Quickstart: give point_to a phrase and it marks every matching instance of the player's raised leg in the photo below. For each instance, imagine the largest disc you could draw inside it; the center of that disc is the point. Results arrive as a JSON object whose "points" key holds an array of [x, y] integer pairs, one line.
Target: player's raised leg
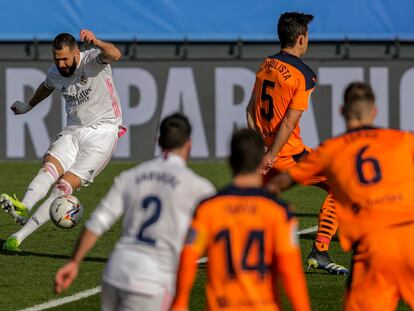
{"points": [[37, 190], [64, 186], [89, 161]]}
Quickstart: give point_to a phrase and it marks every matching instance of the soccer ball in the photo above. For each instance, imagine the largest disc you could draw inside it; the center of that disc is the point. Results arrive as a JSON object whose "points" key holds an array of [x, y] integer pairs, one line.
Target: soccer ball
{"points": [[66, 211]]}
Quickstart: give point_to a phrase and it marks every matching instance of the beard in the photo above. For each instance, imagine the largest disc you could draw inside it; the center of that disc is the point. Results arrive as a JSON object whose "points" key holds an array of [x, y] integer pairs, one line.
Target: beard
{"points": [[67, 72]]}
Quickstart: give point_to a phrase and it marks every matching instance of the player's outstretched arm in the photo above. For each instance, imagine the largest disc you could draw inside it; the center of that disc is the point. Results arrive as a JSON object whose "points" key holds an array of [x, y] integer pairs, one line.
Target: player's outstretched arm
{"points": [[67, 274], [40, 94], [109, 51]]}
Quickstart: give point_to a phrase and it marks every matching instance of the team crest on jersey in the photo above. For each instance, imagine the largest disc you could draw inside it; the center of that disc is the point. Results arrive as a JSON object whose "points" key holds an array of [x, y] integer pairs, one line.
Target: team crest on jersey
{"points": [[83, 80]]}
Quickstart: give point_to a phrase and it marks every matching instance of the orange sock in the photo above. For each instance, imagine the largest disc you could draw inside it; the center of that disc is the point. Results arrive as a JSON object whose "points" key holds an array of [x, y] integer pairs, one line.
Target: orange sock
{"points": [[327, 224]]}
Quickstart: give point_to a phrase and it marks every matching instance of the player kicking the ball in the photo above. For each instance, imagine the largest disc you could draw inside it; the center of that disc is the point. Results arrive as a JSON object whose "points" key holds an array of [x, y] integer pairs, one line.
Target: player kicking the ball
{"points": [[85, 146], [157, 199]]}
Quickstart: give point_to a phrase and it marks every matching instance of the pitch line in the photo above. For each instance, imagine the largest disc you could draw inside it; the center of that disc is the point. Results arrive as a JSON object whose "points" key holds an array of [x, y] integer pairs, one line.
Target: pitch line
{"points": [[93, 291], [308, 230], [64, 300]]}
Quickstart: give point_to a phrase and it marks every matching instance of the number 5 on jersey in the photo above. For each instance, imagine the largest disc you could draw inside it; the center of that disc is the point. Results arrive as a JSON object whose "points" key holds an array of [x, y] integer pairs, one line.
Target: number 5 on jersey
{"points": [[266, 97]]}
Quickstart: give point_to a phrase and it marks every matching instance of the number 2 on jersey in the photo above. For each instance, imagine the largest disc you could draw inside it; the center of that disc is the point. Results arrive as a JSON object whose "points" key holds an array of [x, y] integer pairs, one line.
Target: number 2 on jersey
{"points": [[155, 203], [255, 237], [267, 97]]}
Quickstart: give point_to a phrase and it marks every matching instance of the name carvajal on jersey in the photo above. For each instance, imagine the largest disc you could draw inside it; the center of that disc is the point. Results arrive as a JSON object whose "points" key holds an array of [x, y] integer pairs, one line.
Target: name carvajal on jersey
{"points": [[159, 177]]}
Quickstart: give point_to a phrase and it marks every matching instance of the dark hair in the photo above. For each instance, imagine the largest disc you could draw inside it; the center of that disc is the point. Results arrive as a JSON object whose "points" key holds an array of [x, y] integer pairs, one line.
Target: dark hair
{"points": [[290, 26], [64, 39], [356, 98], [175, 131], [247, 151]]}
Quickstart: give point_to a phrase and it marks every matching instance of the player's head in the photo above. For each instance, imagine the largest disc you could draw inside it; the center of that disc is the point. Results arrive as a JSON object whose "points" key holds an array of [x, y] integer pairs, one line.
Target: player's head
{"points": [[359, 104], [247, 151], [65, 53], [292, 29], [175, 132]]}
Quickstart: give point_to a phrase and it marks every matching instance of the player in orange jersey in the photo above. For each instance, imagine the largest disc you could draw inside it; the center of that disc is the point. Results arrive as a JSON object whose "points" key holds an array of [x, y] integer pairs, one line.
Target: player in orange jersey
{"points": [[280, 95], [250, 240], [371, 173]]}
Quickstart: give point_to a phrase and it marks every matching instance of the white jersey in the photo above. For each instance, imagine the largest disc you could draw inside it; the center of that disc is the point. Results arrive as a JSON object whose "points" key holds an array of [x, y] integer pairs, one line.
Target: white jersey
{"points": [[89, 93], [157, 199]]}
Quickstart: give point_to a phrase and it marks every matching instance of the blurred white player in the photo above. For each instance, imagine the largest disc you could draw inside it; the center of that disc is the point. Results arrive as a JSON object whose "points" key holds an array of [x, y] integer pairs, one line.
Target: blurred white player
{"points": [[157, 199], [85, 146]]}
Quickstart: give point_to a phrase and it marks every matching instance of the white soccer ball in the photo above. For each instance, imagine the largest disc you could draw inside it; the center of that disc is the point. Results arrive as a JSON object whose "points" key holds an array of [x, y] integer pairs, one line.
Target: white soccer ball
{"points": [[66, 211]]}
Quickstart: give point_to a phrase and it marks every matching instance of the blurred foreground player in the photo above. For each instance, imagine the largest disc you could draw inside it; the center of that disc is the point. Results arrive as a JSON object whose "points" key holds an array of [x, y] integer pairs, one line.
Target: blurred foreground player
{"points": [[157, 199], [371, 173], [281, 94], [250, 240], [82, 149]]}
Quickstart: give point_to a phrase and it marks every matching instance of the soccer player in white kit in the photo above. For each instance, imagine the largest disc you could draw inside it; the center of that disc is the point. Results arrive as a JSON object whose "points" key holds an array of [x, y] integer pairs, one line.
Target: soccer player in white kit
{"points": [[85, 146], [157, 199]]}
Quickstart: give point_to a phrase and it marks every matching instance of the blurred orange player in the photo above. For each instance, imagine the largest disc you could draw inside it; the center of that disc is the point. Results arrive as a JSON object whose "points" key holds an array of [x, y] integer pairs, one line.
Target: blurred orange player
{"points": [[250, 240], [371, 173], [281, 94]]}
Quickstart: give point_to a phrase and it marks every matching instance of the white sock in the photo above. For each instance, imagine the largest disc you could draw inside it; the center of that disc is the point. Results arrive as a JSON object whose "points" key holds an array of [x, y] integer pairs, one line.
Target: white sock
{"points": [[41, 216], [40, 185]]}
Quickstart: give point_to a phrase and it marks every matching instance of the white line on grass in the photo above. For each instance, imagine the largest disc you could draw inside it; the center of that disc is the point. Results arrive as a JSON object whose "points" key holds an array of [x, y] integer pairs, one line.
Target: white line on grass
{"points": [[61, 301], [93, 291], [308, 230]]}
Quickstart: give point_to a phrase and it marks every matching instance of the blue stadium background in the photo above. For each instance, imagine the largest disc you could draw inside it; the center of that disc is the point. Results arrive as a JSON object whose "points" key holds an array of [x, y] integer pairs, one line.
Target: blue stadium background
{"points": [[205, 20]]}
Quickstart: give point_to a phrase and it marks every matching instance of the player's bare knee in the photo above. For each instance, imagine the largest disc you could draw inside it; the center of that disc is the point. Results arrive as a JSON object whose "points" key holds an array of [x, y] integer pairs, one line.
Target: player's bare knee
{"points": [[68, 183], [63, 187], [51, 169], [56, 163]]}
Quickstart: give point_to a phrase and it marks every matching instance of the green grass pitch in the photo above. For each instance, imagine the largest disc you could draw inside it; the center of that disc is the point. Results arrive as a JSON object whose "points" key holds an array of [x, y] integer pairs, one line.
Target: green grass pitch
{"points": [[27, 278]]}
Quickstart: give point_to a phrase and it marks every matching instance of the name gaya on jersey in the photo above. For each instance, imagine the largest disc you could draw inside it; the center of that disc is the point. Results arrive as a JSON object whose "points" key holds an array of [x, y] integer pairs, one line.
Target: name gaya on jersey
{"points": [[89, 94]]}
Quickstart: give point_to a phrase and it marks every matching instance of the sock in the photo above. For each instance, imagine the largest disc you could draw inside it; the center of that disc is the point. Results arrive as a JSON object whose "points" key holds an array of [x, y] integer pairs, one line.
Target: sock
{"points": [[40, 185], [327, 224], [41, 216]]}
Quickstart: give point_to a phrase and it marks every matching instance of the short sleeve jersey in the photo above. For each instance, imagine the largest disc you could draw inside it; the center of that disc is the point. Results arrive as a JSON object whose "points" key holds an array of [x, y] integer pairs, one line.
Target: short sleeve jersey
{"points": [[157, 199], [89, 93], [371, 174], [282, 82], [243, 231]]}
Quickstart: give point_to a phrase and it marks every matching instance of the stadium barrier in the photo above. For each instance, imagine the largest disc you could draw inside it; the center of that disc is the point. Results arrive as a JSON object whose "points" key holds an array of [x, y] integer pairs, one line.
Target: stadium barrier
{"points": [[209, 82]]}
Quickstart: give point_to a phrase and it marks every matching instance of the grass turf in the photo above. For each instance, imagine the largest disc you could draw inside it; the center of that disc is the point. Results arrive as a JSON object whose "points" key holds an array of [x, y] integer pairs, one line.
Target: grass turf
{"points": [[27, 278]]}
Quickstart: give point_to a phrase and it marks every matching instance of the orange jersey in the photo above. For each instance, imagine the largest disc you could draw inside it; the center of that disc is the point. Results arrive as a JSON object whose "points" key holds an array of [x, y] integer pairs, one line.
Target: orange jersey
{"points": [[244, 232], [382, 271], [283, 81], [371, 174]]}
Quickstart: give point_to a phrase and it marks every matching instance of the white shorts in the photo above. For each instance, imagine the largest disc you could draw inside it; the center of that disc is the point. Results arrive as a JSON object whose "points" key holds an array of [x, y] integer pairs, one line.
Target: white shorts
{"points": [[85, 151], [115, 299]]}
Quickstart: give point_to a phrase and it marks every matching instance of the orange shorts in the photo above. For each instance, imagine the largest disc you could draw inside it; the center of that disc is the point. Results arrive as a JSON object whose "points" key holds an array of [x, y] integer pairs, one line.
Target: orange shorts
{"points": [[382, 271], [286, 162]]}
